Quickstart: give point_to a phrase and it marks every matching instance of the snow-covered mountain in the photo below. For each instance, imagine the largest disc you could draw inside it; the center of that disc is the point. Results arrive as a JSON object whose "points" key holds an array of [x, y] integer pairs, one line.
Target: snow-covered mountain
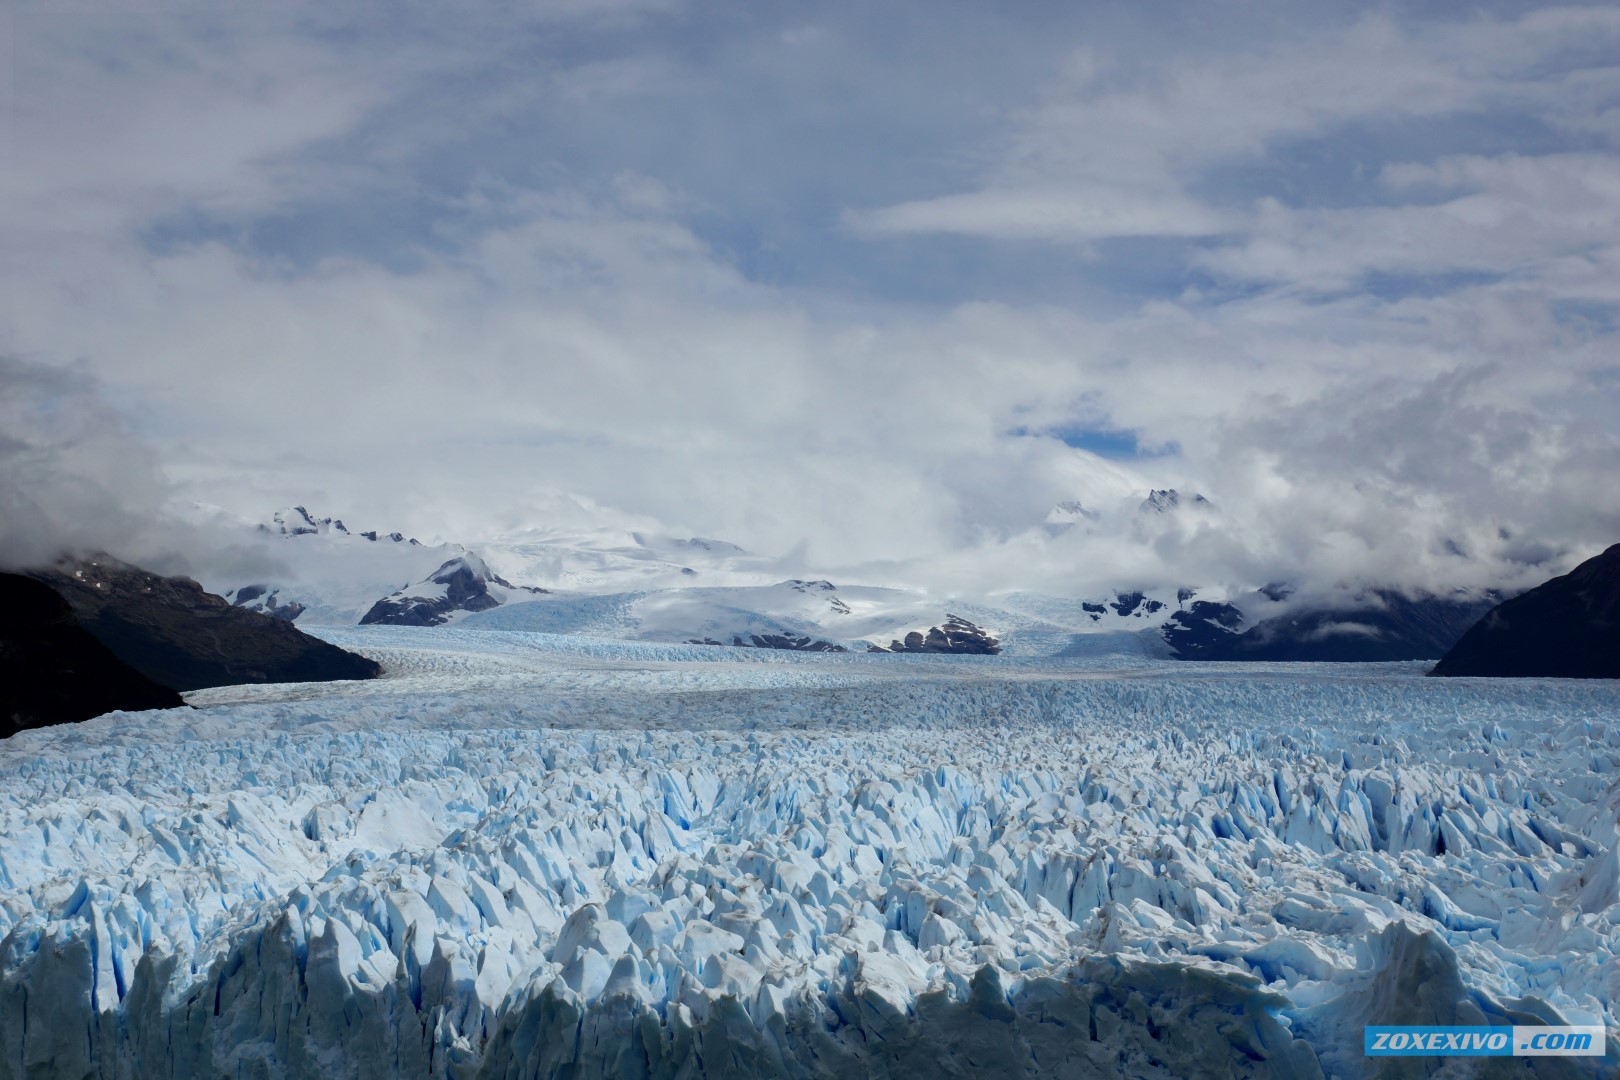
{"points": [[297, 521], [461, 586], [604, 575], [610, 558], [324, 573], [854, 617], [1070, 514], [1169, 501], [851, 616], [329, 573]]}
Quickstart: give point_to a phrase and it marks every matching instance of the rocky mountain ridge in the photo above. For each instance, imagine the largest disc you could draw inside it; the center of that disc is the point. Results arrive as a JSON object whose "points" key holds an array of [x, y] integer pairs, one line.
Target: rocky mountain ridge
{"points": [[461, 585], [181, 637]]}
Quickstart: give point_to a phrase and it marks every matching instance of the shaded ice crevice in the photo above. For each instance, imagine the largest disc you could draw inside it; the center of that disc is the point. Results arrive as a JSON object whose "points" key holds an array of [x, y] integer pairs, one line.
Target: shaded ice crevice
{"points": [[866, 872]]}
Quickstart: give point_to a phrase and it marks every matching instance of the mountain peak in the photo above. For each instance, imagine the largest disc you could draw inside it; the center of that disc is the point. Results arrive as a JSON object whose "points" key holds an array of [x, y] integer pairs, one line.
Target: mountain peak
{"points": [[1071, 510], [1164, 500], [298, 521], [460, 585]]}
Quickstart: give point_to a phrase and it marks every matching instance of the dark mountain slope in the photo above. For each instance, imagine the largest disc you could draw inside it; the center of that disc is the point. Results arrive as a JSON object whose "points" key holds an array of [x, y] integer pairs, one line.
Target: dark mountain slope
{"points": [[1381, 625], [176, 634], [1567, 628], [52, 671]]}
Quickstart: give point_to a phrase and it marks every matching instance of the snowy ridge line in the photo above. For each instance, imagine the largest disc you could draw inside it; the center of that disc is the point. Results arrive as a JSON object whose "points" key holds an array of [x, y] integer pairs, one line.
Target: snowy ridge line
{"points": [[1203, 875]]}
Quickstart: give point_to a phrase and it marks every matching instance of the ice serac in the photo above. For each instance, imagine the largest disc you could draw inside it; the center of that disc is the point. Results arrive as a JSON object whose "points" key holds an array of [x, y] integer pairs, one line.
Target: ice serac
{"points": [[1568, 627], [460, 586], [53, 671], [532, 855], [179, 636]]}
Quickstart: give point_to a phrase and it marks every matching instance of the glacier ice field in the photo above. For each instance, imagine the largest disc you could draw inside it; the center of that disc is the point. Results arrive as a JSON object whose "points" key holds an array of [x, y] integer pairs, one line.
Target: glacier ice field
{"points": [[529, 855]]}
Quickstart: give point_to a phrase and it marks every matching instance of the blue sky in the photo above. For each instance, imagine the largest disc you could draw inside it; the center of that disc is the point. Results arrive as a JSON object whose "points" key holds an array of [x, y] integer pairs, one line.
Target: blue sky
{"points": [[889, 281]]}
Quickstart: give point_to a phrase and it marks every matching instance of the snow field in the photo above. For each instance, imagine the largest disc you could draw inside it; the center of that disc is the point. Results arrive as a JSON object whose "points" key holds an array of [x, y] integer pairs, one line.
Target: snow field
{"points": [[523, 856]]}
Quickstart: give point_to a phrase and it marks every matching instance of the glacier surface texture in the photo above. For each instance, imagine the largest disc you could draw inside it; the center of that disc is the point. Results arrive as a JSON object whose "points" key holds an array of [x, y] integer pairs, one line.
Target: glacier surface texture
{"points": [[524, 855]]}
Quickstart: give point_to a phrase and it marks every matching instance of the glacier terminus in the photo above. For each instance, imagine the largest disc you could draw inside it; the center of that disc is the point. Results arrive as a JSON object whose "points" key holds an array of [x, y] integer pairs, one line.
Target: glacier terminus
{"points": [[521, 854]]}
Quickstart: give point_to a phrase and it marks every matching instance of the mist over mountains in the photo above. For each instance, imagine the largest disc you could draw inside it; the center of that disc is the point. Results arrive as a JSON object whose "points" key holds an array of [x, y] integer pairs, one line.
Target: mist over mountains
{"points": [[652, 269], [78, 479]]}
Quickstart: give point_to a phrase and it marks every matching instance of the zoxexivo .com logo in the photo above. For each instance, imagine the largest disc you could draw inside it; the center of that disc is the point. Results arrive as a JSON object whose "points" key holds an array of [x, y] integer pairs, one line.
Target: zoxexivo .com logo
{"points": [[1389, 1041]]}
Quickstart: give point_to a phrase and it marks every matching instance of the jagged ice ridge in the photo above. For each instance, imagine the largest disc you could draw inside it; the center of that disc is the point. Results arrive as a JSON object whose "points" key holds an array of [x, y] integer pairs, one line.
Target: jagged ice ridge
{"points": [[527, 855]]}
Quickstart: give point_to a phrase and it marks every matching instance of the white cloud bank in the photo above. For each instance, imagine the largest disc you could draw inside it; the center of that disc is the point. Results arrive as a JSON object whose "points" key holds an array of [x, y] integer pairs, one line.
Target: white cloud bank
{"points": [[346, 265]]}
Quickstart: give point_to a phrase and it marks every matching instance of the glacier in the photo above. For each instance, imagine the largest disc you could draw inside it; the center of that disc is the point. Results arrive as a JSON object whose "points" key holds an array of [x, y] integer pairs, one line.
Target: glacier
{"points": [[522, 854]]}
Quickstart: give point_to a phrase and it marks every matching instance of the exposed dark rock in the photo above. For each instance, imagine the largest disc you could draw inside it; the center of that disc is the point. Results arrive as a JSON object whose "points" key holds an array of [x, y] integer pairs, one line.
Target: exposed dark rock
{"points": [[1126, 602], [958, 635], [1567, 628], [1206, 624], [461, 584], [1380, 625], [263, 599], [274, 608], [181, 637], [1134, 603], [54, 671], [787, 641]]}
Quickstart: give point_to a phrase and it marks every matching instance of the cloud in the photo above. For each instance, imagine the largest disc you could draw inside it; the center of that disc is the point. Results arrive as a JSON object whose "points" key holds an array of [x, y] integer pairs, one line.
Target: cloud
{"points": [[1511, 217], [75, 478], [70, 475], [1088, 214], [762, 284], [1127, 149]]}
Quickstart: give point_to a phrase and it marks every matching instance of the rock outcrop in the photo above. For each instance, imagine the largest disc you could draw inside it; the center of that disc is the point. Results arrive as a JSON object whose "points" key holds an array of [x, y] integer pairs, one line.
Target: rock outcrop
{"points": [[958, 635]]}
